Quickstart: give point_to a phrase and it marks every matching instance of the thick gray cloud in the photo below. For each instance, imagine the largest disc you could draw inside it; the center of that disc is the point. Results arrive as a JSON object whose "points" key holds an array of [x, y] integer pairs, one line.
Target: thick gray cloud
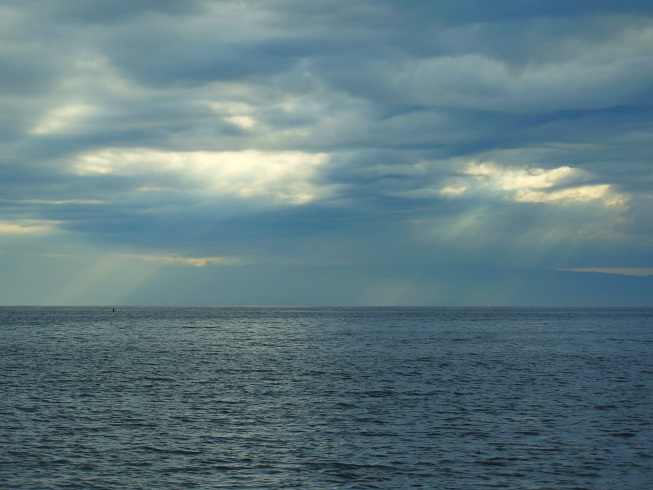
{"points": [[366, 134]]}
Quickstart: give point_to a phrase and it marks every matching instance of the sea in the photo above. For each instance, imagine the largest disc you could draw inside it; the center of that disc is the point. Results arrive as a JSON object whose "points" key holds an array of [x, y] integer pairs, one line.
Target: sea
{"points": [[253, 397]]}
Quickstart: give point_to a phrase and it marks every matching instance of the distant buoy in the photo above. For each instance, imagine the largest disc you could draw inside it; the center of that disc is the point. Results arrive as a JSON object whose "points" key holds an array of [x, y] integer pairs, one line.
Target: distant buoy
{"points": [[113, 309]]}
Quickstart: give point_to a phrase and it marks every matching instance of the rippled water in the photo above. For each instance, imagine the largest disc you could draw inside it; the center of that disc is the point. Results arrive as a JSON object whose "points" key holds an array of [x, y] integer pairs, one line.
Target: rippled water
{"points": [[326, 398]]}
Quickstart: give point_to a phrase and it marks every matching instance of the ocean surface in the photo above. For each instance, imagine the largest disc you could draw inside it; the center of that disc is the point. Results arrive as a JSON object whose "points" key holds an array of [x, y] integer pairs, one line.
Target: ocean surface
{"points": [[326, 398]]}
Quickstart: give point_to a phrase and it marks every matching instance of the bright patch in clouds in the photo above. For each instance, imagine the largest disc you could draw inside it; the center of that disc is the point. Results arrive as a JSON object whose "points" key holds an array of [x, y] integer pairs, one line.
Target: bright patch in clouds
{"points": [[243, 122], [578, 194], [187, 261], [511, 179], [453, 191], [30, 227], [238, 114], [538, 185], [62, 119], [288, 177]]}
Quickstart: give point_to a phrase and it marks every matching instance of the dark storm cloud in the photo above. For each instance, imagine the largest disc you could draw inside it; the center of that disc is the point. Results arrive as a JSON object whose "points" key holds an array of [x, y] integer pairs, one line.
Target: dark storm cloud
{"points": [[486, 132]]}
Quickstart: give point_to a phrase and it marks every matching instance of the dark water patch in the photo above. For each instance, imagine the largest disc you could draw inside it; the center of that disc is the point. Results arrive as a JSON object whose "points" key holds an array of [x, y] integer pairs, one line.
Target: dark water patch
{"points": [[624, 434]]}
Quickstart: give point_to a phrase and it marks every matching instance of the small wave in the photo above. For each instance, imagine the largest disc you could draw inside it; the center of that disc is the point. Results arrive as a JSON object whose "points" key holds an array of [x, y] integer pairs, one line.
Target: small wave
{"points": [[624, 434], [171, 451], [492, 462]]}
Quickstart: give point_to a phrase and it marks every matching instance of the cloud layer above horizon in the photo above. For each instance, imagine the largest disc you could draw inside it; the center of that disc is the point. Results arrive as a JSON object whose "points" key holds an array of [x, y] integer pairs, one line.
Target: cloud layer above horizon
{"points": [[383, 134]]}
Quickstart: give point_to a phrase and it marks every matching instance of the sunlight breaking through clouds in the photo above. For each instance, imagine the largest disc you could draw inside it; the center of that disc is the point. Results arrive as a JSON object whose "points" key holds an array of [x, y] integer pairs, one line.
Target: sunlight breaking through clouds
{"points": [[186, 261], [538, 185], [26, 227], [197, 135], [288, 176]]}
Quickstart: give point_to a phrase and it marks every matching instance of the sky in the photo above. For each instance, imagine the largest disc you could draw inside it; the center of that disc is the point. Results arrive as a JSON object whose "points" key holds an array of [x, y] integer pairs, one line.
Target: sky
{"points": [[366, 152]]}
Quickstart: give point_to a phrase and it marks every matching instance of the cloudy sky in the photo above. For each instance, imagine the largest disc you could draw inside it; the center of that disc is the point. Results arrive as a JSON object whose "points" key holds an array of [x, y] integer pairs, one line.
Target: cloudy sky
{"points": [[287, 152]]}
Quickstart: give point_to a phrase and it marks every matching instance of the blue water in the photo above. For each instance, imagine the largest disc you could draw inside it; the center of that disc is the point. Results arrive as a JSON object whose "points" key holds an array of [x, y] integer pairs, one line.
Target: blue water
{"points": [[326, 398]]}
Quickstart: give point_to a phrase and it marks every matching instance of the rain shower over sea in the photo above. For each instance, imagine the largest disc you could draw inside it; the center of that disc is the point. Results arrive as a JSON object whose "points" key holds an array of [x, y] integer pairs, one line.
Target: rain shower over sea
{"points": [[326, 398]]}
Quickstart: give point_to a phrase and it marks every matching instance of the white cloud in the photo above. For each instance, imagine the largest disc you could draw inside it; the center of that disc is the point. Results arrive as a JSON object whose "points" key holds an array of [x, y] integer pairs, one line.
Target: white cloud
{"points": [[26, 227], [62, 119], [537, 185], [288, 176], [519, 178], [237, 113], [55, 202], [243, 122], [625, 271], [454, 191], [186, 261], [577, 194]]}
